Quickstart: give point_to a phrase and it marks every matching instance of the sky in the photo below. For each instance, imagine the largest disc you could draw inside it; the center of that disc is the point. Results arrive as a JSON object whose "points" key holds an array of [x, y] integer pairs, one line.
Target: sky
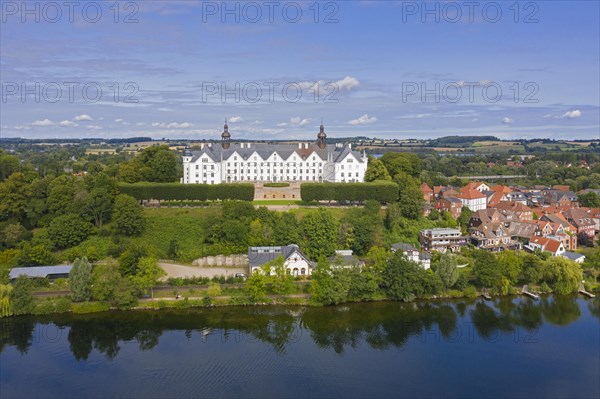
{"points": [[277, 69]]}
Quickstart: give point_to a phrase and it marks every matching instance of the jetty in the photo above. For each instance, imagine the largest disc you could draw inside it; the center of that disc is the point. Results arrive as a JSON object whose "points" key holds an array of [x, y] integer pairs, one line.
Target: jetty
{"points": [[582, 291], [526, 291]]}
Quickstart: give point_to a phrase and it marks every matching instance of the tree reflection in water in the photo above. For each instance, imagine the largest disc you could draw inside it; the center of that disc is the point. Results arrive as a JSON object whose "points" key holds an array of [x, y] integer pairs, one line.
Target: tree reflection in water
{"points": [[379, 325]]}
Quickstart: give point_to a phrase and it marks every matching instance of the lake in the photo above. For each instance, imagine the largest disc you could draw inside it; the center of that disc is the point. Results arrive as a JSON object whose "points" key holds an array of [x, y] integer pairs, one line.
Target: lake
{"points": [[508, 347]]}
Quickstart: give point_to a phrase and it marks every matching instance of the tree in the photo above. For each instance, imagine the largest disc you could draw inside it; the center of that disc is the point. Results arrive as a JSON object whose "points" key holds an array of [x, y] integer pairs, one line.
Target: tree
{"points": [[511, 265], [15, 193], [447, 270], [163, 166], [320, 230], [532, 270], [402, 162], [563, 274], [147, 274], [128, 215], [402, 278], [410, 197], [487, 269], [590, 199], [376, 171], [99, 205], [328, 287], [130, 258], [34, 255], [8, 165], [281, 280], [434, 214], [80, 280], [5, 302], [256, 286], [113, 288], [464, 218], [69, 230], [21, 296], [13, 234], [131, 171]]}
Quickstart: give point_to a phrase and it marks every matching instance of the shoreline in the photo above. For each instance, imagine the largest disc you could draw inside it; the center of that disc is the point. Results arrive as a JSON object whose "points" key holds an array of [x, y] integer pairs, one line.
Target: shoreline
{"points": [[295, 300]]}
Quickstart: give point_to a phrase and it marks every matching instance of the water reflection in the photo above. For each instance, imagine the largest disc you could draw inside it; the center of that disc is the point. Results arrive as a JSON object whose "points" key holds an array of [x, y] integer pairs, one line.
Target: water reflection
{"points": [[379, 325]]}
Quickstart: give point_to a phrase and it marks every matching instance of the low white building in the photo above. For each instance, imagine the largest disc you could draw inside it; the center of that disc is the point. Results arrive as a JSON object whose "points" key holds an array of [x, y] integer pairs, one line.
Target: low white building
{"points": [[296, 263], [229, 162]]}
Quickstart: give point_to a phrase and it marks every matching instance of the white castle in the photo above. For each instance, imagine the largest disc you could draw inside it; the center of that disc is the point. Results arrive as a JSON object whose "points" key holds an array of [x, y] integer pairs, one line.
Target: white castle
{"points": [[259, 162]]}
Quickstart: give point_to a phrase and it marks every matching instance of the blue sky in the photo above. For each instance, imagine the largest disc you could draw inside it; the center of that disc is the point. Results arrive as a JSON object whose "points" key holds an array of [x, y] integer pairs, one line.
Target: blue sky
{"points": [[380, 69]]}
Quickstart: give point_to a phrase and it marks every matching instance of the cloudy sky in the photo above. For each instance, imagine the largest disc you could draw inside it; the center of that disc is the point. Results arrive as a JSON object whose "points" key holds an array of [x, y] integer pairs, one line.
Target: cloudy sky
{"points": [[178, 69]]}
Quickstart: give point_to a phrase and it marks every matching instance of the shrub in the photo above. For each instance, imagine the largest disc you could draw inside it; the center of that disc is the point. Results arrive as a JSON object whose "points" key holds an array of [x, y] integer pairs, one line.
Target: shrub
{"points": [[189, 192], [470, 292], [90, 307], [52, 305], [276, 185], [213, 289]]}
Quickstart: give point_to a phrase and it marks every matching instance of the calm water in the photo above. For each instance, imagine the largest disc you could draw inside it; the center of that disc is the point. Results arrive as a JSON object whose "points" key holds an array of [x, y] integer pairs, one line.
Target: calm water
{"points": [[512, 347]]}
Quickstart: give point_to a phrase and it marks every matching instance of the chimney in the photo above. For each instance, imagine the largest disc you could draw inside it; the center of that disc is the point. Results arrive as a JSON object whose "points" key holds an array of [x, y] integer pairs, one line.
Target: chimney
{"points": [[299, 146]]}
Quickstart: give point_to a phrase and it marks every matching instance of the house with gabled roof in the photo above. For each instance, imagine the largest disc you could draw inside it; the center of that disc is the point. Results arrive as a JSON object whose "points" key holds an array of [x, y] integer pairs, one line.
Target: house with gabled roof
{"points": [[545, 244], [473, 199], [581, 220], [296, 263], [449, 204], [413, 254]]}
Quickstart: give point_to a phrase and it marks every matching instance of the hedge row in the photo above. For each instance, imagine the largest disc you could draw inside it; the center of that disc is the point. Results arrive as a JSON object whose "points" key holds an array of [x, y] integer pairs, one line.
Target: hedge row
{"points": [[189, 192], [382, 191]]}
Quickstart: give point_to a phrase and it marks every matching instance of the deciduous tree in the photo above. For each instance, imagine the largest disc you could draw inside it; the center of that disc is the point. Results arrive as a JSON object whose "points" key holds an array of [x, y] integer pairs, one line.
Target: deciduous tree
{"points": [[80, 280]]}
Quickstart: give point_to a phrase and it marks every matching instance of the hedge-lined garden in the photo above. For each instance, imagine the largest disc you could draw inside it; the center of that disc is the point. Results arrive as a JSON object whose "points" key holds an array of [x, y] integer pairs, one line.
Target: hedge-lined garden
{"points": [[188, 192], [382, 191]]}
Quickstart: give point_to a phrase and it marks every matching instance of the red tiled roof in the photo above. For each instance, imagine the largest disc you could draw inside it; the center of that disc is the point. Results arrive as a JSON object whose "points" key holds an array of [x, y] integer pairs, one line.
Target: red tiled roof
{"points": [[470, 193], [425, 188]]}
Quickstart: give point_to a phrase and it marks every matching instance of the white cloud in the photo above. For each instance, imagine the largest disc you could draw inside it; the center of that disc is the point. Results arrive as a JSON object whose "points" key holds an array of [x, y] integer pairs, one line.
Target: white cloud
{"points": [[506, 120], [572, 114], [236, 119], [93, 127], [119, 120], [363, 120], [348, 83], [68, 123], [298, 121], [282, 124], [44, 122], [172, 125], [83, 117], [328, 87]]}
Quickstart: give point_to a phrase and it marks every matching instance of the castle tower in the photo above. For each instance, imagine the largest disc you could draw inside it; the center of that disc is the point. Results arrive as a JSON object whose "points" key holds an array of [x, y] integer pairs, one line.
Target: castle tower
{"points": [[225, 137], [322, 137]]}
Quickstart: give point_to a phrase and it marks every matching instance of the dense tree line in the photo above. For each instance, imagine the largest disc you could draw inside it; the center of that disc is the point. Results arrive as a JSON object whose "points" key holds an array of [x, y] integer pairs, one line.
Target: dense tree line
{"points": [[382, 191]]}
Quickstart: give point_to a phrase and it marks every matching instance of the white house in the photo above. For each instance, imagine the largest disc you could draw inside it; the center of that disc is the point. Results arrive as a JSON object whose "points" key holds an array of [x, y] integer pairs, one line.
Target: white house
{"points": [[413, 254], [296, 263], [229, 162], [545, 244], [473, 199]]}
